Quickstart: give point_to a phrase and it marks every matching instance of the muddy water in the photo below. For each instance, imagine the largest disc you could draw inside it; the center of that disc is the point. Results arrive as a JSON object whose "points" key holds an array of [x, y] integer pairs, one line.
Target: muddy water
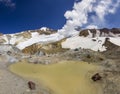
{"points": [[62, 78]]}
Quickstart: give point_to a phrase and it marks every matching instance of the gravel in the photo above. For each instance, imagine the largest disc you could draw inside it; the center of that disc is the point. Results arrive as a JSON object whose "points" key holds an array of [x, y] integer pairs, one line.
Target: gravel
{"points": [[13, 84]]}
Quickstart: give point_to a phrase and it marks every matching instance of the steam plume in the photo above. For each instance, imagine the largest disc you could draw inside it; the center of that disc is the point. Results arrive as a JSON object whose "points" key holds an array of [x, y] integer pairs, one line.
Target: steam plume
{"points": [[88, 14]]}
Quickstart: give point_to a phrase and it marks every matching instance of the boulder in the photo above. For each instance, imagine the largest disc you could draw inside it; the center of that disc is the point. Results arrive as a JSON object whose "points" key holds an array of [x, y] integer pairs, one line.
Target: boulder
{"points": [[96, 77], [31, 85]]}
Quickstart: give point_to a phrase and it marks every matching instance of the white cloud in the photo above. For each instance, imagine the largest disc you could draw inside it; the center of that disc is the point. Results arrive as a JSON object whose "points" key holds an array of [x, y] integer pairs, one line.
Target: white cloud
{"points": [[92, 27], [87, 12], [8, 3]]}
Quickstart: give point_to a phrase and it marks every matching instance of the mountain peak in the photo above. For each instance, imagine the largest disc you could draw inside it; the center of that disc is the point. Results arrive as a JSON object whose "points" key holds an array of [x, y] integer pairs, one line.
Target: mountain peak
{"points": [[44, 29]]}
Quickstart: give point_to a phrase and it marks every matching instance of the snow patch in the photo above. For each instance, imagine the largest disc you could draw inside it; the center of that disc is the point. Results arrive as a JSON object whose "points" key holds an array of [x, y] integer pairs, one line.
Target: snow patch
{"points": [[85, 43], [44, 28], [116, 41], [40, 39], [34, 34]]}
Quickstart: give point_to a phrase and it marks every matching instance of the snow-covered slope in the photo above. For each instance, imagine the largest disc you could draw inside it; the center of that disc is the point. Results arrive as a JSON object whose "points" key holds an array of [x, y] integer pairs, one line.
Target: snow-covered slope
{"points": [[86, 39], [30, 37], [93, 39], [85, 43], [96, 44], [115, 41], [36, 38]]}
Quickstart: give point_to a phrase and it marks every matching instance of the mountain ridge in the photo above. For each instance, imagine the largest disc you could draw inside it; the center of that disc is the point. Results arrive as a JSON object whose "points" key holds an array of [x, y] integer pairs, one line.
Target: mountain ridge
{"points": [[86, 39]]}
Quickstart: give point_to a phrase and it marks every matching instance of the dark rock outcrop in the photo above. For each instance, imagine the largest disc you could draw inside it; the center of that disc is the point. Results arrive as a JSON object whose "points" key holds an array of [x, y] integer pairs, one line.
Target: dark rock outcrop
{"points": [[115, 31], [84, 33], [113, 51], [43, 49], [105, 32]]}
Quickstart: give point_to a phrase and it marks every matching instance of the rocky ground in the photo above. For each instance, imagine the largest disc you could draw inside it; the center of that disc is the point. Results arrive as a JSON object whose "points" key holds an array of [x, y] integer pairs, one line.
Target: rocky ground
{"points": [[110, 71], [10, 83], [13, 84]]}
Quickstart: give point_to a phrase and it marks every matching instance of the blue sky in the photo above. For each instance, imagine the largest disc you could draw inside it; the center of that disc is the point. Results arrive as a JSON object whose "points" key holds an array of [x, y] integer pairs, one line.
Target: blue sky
{"points": [[33, 14], [20, 15]]}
